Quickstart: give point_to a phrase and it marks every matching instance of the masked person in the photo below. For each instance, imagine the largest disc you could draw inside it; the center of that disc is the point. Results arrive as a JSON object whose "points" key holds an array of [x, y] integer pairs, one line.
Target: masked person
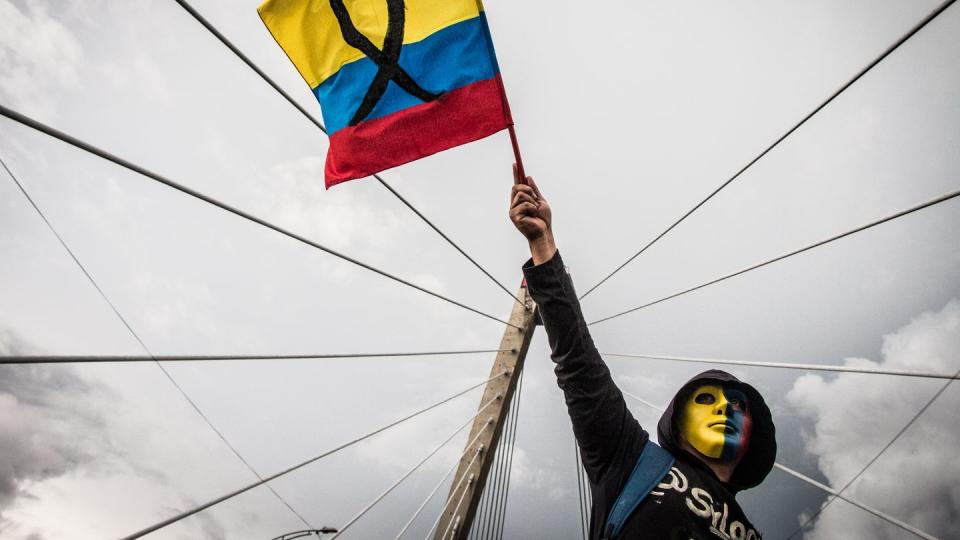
{"points": [[717, 435]]}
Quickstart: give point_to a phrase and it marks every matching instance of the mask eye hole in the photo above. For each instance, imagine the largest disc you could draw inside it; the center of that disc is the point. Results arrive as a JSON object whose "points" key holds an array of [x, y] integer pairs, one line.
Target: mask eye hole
{"points": [[705, 398], [737, 401]]}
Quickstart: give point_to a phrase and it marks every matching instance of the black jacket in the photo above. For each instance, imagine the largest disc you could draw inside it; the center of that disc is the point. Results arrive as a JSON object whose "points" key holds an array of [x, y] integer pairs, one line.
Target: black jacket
{"points": [[691, 500]]}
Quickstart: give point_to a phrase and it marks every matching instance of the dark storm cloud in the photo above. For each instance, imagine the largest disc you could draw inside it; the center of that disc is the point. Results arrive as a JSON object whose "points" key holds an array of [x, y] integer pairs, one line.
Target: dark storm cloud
{"points": [[45, 425]]}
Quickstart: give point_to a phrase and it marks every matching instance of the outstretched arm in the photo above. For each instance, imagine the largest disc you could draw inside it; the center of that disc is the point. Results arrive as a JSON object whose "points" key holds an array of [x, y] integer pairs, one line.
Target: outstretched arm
{"points": [[605, 429]]}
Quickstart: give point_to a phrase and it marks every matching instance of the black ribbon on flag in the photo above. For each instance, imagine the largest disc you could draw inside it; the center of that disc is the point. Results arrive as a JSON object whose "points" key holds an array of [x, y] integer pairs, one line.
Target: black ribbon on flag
{"points": [[387, 59]]}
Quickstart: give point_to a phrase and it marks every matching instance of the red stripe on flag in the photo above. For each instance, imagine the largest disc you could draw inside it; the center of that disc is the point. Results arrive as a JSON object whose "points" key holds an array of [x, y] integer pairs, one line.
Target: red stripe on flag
{"points": [[463, 115]]}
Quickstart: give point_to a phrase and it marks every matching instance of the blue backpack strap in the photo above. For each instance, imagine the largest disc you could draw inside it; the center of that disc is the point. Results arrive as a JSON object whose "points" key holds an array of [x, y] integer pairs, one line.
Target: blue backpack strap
{"points": [[652, 465]]}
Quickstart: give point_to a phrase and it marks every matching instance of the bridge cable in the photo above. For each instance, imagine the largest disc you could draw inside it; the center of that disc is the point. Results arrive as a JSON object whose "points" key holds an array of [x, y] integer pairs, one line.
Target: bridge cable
{"points": [[916, 28], [922, 410], [456, 488], [87, 147], [143, 345], [804, 367], [932, 202], [266, 78], [498, 486], [494, 524], [440, 483], [580, 492], [482, 519], [513, 446], [827, 489], [485, 512], [420, 463], [72, 359], [482, 507], [576, 456], [589, 494], [232, 494]]}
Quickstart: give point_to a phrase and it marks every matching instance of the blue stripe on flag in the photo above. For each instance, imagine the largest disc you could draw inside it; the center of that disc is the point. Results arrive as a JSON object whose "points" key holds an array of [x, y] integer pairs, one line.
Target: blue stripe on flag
{"points": [[448, 59]]}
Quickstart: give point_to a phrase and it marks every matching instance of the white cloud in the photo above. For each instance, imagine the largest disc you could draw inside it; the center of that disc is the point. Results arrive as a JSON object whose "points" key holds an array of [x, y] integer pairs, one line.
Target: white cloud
{"points": [[39, 56], [344, 219], [917, 479], [538, 475], [176, 305], [351, 221], [139, 75]]}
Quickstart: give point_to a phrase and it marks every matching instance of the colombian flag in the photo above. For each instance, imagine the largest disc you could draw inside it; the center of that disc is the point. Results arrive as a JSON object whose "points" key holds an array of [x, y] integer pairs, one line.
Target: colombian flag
{"points": [[397, 80]]}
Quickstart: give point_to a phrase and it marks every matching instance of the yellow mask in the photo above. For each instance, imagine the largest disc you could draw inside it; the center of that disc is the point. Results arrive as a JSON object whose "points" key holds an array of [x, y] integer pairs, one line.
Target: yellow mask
{"points": [[716, 422]]}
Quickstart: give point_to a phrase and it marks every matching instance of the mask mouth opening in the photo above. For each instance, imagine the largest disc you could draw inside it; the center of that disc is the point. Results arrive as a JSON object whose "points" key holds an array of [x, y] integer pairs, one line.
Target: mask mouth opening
{"points": [[728, 427]]}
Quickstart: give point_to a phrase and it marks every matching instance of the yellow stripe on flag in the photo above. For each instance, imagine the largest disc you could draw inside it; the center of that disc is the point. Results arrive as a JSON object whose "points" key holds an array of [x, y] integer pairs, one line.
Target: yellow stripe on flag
{"points": [[308, 31]]}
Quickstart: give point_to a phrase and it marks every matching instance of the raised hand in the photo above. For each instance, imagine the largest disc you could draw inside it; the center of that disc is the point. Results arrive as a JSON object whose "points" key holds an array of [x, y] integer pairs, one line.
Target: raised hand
{"points": [[531, 215]]}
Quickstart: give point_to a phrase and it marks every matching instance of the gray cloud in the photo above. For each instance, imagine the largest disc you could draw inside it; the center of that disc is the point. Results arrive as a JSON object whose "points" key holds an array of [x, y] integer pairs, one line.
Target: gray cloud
{"points": [[916, 478], [57, 424], [209, 528], [45, 429], [153, 86]]}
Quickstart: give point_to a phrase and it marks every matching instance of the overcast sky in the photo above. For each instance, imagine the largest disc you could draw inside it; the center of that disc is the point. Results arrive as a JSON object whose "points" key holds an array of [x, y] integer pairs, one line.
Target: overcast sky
{"points": [[628, 114]]}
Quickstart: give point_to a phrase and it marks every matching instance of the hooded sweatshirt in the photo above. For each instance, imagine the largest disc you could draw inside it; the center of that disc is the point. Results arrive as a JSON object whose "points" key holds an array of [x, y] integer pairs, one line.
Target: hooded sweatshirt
{"points": [[690, 502]]}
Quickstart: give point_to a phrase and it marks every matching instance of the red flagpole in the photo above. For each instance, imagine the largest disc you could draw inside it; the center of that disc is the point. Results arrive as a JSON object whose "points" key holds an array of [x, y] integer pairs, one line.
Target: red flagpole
{"points": [[516, 154]]}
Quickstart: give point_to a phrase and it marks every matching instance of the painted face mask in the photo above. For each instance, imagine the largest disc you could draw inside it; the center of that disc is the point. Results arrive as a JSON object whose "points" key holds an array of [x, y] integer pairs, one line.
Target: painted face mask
{"points": [[716, 421]]}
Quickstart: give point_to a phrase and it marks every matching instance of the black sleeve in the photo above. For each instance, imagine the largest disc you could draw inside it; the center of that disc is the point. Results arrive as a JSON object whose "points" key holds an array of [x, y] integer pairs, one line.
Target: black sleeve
{"points": [[604, 427]]}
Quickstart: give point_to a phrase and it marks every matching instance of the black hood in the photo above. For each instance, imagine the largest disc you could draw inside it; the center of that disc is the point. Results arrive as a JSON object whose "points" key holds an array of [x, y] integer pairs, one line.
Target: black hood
{"points": [[762, 452]]}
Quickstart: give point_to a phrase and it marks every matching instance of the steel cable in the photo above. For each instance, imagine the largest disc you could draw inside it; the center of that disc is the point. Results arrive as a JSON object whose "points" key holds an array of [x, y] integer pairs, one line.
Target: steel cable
{"points": [[830, 491], [420, 463], [136, 337], [455, 522], [232, 494], [440, 483], [863, 469], [454, 490], [69, 359], [266, 78], [916, 28], [485, 522], [73, 141], [513, 446], [804, 367], [500, 484], [576, 455], [482, 519], [581, 492], [943, 198]]}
